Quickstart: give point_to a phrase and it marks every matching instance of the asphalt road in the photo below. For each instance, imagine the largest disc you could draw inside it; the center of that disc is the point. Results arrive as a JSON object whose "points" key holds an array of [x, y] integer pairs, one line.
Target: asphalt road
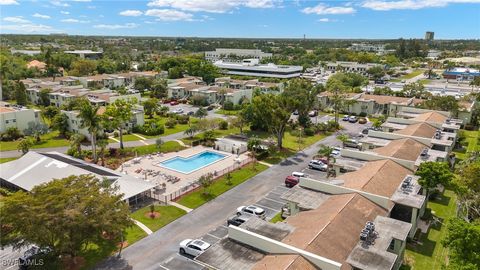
{"points": [[151, 251]]}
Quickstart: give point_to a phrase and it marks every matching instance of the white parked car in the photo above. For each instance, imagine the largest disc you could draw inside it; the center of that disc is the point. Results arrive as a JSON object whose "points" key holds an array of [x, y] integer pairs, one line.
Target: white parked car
{"points": [[298, 174], [251, 210], [336, 151], [193, 247], [317, 165], [178, 111]]}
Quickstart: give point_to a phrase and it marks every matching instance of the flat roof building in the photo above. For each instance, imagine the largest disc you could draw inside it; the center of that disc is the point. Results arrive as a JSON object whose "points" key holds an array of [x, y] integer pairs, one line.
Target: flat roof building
{"points": [[235, 55], [86, 54], [251, 67], [461, 74]]}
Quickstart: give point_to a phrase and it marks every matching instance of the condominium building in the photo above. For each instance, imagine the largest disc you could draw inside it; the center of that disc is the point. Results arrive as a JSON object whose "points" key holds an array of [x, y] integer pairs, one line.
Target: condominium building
{"points": [[235, 55], [351, 67], [17, 116], [252, 67]]}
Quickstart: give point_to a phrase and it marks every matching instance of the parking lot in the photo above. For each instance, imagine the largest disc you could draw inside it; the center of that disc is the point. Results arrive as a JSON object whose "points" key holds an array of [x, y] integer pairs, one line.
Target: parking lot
{"points": [[271, 203], [190, 108]]}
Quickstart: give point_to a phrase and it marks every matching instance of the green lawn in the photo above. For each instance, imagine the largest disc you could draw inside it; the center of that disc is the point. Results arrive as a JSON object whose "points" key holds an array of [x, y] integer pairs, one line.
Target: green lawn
{"points": [[197, 198], [50, 139], [430, 254], [3, 160], [412, 74], [472, 138], [168, 131], [133, 234], [126, 138], [225, 112], [170, 146], [167, 215], [217, 133], [277, 218], [424, 81]]}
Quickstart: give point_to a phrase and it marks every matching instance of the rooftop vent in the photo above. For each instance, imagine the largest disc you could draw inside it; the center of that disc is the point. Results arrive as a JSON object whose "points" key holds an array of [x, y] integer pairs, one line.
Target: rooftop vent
{"points": [[368, 233], [424, 152]]}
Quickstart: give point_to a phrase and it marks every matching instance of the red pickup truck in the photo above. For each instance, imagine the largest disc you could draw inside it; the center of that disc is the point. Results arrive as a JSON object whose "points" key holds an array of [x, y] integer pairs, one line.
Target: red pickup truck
{"points": [[291, 181]]}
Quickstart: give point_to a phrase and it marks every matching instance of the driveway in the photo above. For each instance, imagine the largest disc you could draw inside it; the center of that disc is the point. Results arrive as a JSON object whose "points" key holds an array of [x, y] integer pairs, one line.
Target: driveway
{"points": [[150, 252]]}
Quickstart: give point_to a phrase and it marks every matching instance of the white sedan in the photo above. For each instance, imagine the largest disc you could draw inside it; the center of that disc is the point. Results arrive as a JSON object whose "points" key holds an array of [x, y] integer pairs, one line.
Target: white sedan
{"points": [[193, 247], [251, 210]]}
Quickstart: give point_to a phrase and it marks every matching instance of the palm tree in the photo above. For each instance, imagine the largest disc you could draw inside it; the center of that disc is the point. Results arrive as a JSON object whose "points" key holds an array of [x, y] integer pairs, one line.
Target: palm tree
{"points": [[326, 151], [102, 143], [76, 142], [343, 138], [91, 120]]}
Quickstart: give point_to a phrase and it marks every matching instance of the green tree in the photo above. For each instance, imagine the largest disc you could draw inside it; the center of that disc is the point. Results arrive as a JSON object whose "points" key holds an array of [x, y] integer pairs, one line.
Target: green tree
{"points": [[274, 111], [442, 103], [208, 135], [343, 138], [60, 123], [338, 96], [462, 241], [85, 210], [175, 73], [302, 96], [24, 145], [36, 129], [376, 72], [326, 151], [150, 106], [118, 114], [206, 181], [159, 89], [102, 144], [83, 67], [92, 121], [142, 84], [50, 112], [76, 144], [467, 188], [190, 132], [433, 174], [21, 94], [44, 97], [415, 90], [201, 113]]}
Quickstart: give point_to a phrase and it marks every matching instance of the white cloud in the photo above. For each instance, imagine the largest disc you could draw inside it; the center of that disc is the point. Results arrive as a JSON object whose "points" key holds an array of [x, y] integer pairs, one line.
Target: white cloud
{"points": [[27, 28], [116, 26], [38, 15], [17, 19], [59, 3], [213, 6], [324, 20], [131, 12], [322, 9], [82, 0], [169, 15], [411, 4], [65, 12], [8, 2], [73, 21]]}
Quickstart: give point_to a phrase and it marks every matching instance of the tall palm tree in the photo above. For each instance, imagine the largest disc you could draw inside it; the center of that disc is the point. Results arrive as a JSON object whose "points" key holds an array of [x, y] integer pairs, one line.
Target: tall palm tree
{"points": [[91, 120], [326, 151]]}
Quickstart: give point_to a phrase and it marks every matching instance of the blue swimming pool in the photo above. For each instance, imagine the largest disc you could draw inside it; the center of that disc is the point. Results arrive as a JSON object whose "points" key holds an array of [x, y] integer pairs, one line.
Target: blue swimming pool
{"points": [[192, 163]]}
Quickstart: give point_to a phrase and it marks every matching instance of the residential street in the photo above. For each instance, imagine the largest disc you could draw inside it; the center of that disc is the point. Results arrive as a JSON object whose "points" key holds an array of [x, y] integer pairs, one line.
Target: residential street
{"points": [[151, 251]]}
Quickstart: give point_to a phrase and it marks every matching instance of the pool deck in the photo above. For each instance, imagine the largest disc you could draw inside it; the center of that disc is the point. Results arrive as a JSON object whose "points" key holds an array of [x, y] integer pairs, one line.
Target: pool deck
{"points": [[145, 167]]}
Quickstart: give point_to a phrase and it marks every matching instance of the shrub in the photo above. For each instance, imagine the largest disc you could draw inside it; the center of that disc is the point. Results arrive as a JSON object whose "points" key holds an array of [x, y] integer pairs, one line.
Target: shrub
{"points": [[170, 123], [309, 132], [11, 134], [223, 125], [362, 114], [182, 119], [151, 128], [228, 105]]}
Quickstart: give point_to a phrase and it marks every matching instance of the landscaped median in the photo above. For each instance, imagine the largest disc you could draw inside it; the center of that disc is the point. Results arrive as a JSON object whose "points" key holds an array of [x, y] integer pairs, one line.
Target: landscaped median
{"points": [[197, 198]]}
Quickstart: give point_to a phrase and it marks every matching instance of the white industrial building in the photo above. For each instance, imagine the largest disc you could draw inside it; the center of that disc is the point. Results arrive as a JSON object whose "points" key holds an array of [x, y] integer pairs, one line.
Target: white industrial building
{"points": [[355, 67], [252, 67], [234, 55]]}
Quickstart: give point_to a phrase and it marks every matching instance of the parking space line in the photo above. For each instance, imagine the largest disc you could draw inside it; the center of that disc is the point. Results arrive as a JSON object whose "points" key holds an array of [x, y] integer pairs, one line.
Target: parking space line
{"points": [[214, 236], [261, 206], [266, 198], [163, 267], [282, 187]]}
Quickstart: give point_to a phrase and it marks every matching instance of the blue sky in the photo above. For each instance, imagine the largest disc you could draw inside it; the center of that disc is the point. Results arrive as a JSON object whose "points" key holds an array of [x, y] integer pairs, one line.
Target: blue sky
{"points": [[449, 19]]}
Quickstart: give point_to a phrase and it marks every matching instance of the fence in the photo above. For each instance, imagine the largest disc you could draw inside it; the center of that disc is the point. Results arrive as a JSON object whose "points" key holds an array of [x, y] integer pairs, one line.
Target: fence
{"points": [[192, 186]]}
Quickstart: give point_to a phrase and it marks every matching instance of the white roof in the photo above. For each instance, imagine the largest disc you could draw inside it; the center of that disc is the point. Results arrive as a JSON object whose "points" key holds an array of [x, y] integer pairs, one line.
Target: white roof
{"points": [[35, 168]]}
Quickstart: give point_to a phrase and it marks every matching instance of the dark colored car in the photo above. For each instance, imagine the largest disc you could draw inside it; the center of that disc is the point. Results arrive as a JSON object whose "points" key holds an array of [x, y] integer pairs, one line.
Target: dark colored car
{"points": [[237, 220], [291, 181], [190, 113], [211, 107]]}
